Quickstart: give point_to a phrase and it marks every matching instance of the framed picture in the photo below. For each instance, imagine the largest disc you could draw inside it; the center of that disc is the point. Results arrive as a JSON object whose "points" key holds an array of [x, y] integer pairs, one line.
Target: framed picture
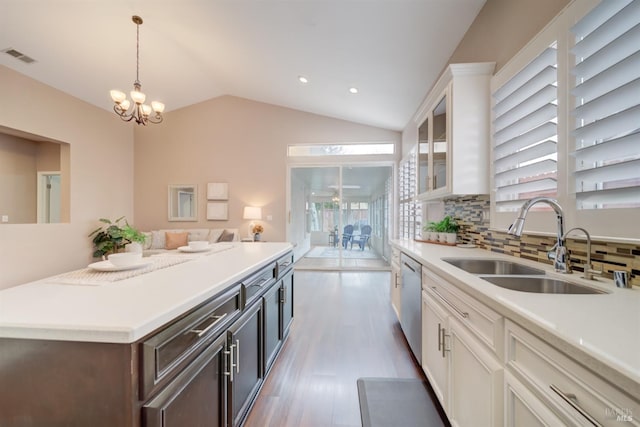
{"points": [[217, 191], [217, 211]]}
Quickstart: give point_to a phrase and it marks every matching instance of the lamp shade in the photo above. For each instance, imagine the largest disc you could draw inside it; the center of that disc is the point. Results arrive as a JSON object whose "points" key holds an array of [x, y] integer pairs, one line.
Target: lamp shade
{"points": [[251, 212]]}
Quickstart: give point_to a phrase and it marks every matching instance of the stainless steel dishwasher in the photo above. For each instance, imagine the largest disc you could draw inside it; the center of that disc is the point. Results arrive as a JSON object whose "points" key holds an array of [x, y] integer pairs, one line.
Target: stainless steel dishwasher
{"points": [[411, 297]]}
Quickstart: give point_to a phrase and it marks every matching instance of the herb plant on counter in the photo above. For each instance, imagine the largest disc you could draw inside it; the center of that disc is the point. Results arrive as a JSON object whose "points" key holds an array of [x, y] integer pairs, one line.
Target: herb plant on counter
{"points": [[113, 237]]}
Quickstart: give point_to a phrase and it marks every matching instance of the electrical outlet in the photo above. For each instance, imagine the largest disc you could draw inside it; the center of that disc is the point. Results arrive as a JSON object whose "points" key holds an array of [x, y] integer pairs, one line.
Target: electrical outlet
{"points": [[269, 217], [5, 218]]}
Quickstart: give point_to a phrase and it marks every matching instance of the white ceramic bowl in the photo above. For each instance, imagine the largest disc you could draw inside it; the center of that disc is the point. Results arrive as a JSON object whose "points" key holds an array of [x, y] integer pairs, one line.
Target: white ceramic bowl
{"points": [[198, 245], [125, 259]]}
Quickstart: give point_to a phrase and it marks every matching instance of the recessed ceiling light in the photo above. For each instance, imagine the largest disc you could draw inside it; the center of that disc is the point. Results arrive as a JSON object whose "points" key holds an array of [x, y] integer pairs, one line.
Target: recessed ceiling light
{"points": [[353, 89], [303, 79]]}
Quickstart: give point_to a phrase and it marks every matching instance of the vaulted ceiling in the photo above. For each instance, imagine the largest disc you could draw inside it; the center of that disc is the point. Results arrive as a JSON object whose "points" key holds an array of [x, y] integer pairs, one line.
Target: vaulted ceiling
{"points": [[193, 50]]}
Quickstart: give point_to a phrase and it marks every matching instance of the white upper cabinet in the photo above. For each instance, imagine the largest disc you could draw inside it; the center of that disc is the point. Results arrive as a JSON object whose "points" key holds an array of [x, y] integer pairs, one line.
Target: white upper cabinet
{"points": [[453, 133]]}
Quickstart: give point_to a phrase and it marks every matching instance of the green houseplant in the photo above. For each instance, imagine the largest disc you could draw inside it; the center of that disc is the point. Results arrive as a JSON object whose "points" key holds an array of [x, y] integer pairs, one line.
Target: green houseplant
{"points": [[112, 237], [448, 229], [442, 231]]}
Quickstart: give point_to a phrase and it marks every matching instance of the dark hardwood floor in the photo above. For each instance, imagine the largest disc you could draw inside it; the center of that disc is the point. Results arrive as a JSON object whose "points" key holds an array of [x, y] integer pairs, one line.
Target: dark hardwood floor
{"points": [[344, 329]]}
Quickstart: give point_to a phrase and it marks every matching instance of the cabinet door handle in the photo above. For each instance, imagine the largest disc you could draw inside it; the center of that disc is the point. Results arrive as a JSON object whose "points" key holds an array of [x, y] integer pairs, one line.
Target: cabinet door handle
{"points": [[283, 293], [450, 304], [202, 332], [440, 328], [444, 349], [286, 264], [571, 399], [231, 365], [238, 356], [409, 267]]}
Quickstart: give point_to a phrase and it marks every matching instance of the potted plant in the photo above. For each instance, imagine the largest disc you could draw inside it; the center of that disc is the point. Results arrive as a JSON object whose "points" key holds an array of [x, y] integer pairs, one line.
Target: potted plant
{"points": [[112, 237], [431, 231], [448, 229]]}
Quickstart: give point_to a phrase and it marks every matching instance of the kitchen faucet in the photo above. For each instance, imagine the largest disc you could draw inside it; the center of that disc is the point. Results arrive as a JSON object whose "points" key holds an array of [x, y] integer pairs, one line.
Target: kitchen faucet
{"points": [[557, 253], [588, 271]]}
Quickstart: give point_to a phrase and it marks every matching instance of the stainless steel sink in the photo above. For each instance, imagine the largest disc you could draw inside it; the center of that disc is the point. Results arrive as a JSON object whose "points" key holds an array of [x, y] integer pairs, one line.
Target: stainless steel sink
{"points": [[492, 266], [540, 285]]}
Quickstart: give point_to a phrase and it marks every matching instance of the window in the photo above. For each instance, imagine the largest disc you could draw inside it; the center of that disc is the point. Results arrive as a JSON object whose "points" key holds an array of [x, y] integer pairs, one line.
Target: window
{"points": [[595, 170], [607, 106], [359, 149], [525, 133], [410, 214]]}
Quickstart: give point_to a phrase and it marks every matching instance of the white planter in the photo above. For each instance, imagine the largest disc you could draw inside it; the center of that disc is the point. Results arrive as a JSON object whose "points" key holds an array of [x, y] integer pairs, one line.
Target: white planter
{"points": [[133, 247], [450, 237]]}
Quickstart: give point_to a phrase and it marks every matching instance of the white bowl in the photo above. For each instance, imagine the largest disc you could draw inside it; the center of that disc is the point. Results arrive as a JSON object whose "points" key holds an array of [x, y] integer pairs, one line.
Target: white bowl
{"points": [[198, 245], [125, 259]]}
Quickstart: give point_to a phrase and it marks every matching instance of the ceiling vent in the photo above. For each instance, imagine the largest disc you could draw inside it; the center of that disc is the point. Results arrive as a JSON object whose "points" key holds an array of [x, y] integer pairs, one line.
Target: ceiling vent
{"points": [[19, 55]]}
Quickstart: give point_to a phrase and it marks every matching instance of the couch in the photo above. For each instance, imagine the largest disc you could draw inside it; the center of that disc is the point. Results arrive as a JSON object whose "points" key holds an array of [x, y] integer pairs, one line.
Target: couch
{"points": [[157, 241]]}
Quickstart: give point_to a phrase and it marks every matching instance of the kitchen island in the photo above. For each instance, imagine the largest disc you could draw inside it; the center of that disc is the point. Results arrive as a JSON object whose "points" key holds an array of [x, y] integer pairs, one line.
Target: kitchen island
{"points": [[192, 341]]}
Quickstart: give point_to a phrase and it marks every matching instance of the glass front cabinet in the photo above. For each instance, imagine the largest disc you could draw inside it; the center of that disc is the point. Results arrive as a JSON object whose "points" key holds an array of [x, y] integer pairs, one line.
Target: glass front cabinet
{"points": [[453, 133]]}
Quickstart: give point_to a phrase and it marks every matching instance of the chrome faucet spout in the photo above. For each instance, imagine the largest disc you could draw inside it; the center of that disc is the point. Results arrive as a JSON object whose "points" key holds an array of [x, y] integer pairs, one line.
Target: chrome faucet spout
{"points": [[588, 271], [559, 252]]}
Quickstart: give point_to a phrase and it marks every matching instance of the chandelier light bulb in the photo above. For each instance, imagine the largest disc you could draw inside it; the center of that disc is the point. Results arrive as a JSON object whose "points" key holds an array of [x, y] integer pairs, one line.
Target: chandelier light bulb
{"points": [[141, 112], [137, 96], [157, 106], [118, 96]]}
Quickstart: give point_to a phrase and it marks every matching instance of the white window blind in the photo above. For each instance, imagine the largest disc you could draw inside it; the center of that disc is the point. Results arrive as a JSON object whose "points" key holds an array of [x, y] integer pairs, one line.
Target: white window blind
{"points": [[607, 106], [524, 133], [410, 210]]}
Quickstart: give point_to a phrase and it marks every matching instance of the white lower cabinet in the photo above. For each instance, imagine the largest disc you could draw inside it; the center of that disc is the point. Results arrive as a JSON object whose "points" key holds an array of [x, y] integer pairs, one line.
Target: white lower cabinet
{"points": [[434, 360], [463, 369], [523, 408], [475, 380], [396, 278], [577, 395], [489, 371]]}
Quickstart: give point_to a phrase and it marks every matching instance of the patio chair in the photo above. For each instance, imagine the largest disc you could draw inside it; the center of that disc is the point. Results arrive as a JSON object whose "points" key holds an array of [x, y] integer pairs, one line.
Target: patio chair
{"points": [[362, 238], [347, 235]]}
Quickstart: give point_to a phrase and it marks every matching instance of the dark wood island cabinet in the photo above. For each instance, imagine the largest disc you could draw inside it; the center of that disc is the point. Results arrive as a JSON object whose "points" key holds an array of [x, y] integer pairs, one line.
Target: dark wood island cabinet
{"points": [[203, 368]]}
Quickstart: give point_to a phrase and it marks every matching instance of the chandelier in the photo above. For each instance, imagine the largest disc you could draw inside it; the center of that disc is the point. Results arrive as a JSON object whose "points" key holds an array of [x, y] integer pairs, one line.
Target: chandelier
{"points": [[139, 111]]}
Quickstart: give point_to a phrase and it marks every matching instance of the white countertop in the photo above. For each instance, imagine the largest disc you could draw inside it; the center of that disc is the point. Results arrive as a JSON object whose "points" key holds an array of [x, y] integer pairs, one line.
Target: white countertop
{"points": [[601, 331], [126, 310]]}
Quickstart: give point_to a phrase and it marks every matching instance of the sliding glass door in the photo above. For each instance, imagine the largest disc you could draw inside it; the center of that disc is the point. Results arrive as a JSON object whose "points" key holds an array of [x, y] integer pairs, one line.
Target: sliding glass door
{"points": [[339, 216]]}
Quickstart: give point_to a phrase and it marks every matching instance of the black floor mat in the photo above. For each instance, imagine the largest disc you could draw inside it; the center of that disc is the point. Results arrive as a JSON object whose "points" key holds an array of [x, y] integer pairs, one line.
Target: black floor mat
{"points": [[396, 402]]}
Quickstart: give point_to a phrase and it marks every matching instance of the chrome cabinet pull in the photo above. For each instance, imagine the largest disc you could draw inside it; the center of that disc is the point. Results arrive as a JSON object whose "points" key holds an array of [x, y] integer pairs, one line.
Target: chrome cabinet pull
{"points": [[409, 267], [571, 399], [444, 349], [440, 329], [204, 331], [231, 365], [450, 304], [238, 356]]}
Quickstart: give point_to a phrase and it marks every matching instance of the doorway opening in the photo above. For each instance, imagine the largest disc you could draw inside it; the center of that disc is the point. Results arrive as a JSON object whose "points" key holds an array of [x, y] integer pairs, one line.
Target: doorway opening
{"points": [[340, 216], [49, 204]]}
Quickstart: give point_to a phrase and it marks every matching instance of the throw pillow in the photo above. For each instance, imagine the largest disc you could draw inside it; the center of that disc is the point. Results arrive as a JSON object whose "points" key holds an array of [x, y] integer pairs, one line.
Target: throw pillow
{"points": [[226, 236], [175, 240]]}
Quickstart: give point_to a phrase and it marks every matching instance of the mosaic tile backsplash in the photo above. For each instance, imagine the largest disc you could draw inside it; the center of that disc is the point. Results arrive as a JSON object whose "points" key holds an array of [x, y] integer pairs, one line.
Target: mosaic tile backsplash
{"points": [[470, 211]]}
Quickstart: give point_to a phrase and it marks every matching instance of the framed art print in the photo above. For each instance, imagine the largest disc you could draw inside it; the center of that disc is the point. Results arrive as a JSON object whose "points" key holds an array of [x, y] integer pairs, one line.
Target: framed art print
{"points": [[217, 191], [217, 211]]}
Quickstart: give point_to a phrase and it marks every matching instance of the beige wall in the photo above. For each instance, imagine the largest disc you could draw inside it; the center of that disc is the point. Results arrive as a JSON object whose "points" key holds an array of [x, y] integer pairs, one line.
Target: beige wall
{"points": [[101, 176], [231, 140], [502, 28], [499, 31]]}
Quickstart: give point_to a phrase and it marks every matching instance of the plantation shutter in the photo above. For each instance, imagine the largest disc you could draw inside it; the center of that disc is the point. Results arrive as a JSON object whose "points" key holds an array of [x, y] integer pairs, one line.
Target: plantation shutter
{"points": [[524, 133], [410, 210], [607, 106]]}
